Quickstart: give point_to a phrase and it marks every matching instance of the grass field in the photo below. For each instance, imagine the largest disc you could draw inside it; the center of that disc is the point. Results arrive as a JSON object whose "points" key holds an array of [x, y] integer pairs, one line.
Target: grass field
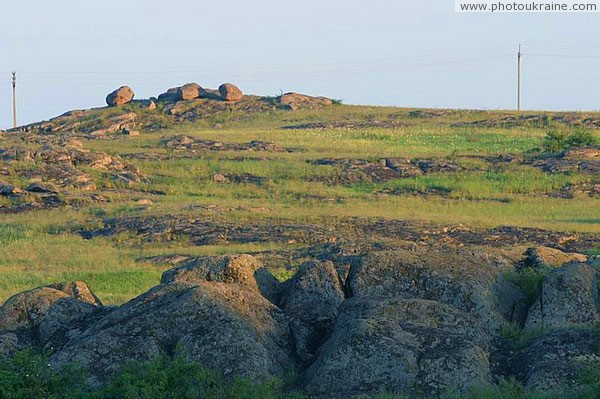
{"points": [[40, 247]]}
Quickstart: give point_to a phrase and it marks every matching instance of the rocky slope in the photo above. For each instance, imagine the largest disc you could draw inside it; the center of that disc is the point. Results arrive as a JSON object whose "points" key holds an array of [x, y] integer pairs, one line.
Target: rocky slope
{"points": [[417, 321]]}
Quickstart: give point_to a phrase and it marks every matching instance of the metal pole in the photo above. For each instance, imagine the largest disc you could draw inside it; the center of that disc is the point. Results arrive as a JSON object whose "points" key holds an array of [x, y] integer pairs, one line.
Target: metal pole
{"points": [[14, 86], [519, 73]]}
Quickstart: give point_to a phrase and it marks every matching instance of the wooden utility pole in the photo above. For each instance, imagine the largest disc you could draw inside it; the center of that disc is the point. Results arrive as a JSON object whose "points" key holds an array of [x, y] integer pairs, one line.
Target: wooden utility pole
{"points": [[519, 75], [14, 85]]}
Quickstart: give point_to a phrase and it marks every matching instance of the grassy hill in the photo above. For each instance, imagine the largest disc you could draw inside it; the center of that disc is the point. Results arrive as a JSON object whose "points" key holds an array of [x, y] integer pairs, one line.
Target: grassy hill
{"points": [[254, 177]]}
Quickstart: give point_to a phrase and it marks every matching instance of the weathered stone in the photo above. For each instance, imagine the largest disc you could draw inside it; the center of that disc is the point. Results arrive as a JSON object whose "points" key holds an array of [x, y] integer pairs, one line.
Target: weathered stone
{"points": [[121, 96], [230, 92], [42, 188], [129, 132], [47, 316], [296, 101], [219, 178], [556, 360], [543, 258], [226, 327], [189, 91], [455, 277], [311, 298], [239, 269], [402, 346], [7, 189], [569, 297]]}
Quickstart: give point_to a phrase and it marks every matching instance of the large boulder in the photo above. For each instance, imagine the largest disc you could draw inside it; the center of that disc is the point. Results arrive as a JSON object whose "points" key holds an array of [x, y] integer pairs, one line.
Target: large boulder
{"points": [[569, 297], [189, 91], [401, 346], [244, 270], [312, 298], [230, 92], [121, 96], [556, 360], [171, 95], [47, 316], [454, 277], [227, 327]]}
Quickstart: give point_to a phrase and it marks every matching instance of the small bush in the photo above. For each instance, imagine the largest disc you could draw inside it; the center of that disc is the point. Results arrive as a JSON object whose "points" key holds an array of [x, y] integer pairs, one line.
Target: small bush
{"points": [[529, 281], [561, 140]]}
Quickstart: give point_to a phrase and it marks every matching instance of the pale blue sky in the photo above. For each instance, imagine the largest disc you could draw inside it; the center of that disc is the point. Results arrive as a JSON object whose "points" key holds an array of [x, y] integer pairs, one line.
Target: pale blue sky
{"points": [[69, 54]]}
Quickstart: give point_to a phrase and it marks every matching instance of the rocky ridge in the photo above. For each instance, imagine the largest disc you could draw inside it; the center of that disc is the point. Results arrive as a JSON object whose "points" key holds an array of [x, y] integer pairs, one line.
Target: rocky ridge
{"points": [[415, 321]]}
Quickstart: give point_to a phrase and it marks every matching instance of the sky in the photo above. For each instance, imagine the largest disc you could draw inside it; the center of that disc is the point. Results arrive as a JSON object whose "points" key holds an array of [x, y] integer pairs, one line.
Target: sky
{"points": [[69, 54]]}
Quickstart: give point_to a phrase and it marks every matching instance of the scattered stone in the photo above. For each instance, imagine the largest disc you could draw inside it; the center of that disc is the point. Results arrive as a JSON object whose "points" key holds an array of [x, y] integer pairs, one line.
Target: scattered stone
{"points": [[230, 92], [219, 178], [237, 269], [7, 189], [123, 95], [129, 132], [145, 202], [42, 188]]}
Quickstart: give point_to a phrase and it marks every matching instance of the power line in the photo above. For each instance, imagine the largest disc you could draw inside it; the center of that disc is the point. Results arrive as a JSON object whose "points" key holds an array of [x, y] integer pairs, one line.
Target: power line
{"points": [[565, 56]]}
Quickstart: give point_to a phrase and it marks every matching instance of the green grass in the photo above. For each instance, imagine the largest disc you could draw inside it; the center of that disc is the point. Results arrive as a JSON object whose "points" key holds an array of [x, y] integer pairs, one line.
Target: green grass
{"points": [[28, 375], [40, 247]]}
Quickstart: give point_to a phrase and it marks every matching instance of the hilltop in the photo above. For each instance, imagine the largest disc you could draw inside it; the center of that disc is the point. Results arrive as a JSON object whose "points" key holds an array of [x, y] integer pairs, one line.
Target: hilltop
{"points": [[365, 250]]}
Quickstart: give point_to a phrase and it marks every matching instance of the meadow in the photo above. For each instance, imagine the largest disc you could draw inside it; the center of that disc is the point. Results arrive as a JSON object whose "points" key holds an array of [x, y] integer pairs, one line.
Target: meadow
{"points": [[43, 246]]}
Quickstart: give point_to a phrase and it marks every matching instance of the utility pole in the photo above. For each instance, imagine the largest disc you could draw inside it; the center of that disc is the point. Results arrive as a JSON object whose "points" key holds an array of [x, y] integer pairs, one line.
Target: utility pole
{"points": [[14, 85], [519, 75]]}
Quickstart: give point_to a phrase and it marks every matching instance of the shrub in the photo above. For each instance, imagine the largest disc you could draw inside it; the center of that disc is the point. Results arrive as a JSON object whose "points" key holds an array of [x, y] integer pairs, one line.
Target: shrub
{"points": [[28, 375], [561, 140], [529, 281]]}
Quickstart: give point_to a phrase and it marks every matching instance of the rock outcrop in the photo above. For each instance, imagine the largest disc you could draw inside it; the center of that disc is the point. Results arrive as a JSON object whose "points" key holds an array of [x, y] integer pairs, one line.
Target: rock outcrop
{"points": [[46, 316], [569, 298], [455, 278], [401, 346], [296, 101], [312, 298], [123, 95], [414, 322], [223, 326]]}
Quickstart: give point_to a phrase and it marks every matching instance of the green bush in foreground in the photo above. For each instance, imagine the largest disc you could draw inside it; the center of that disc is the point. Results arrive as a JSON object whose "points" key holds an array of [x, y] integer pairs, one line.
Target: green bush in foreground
{"points": [[29, 376]]}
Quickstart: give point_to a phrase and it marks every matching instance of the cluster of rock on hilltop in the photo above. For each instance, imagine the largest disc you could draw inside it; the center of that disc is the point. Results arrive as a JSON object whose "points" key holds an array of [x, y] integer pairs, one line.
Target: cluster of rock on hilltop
{"points": [[416, 321], [128, 116]]}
